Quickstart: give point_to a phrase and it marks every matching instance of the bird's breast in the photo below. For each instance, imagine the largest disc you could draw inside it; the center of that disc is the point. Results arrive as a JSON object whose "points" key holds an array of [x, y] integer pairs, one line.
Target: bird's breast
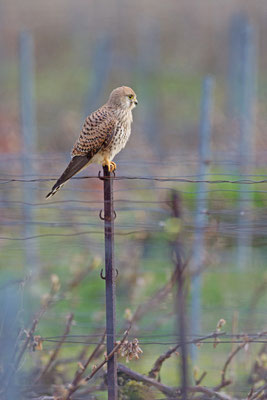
{"points": [[119, 140]]}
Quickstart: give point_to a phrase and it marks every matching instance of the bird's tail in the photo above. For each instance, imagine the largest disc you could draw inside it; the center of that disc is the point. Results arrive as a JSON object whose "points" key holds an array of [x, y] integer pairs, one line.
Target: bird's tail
{"points": [[76, 164]]}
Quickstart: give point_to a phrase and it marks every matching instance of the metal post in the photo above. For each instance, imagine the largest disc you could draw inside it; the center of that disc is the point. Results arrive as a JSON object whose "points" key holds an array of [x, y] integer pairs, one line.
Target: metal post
{"points": [[241, 98], [200, 220], [9, 300], [234, 86], [247, 78], [110, 278], [182, 327], [180, 296], [28, 130], [100, 68], [148, 58]]}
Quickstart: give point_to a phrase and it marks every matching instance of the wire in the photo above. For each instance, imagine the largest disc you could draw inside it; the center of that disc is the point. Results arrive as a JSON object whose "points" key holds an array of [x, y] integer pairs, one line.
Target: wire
{"points": [[145, 178], [171, 343], [195, 336]]}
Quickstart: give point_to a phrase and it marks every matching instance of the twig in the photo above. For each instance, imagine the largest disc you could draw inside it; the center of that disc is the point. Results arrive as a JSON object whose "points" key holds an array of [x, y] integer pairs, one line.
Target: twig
{"points": [[90, 390], [79, 373], [115, 349], [168, 390], [15, 366], [79, 358], [160, 360], [229, 359], [84, 394], [200, 379], [259, 392], [26, 343], [56, 351], [43, 398], [256, 367], [247, 340], [163, 357], [210, 392], [30, 333]]}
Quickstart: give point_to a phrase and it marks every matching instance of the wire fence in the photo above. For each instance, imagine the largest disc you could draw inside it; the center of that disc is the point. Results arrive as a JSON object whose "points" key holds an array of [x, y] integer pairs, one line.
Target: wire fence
{"points": [[144, 230], [190, 256]]}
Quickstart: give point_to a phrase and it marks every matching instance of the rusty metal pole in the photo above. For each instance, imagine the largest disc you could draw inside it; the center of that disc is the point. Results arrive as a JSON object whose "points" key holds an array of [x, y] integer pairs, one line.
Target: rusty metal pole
{"points": [[110, 278], [180, 305], [182, 325]]}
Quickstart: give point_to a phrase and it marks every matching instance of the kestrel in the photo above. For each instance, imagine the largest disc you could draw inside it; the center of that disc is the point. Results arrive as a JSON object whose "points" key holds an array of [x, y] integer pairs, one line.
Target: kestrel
{"points": [[104, 134]]}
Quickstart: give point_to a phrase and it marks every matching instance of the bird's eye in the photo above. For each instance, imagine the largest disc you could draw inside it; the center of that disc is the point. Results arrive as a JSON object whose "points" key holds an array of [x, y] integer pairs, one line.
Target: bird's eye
{"points": [[130, 96]]}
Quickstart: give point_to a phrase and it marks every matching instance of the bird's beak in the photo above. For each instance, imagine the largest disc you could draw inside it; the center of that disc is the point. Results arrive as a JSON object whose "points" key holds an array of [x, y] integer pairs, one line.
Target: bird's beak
{"points": [[136, 102]]}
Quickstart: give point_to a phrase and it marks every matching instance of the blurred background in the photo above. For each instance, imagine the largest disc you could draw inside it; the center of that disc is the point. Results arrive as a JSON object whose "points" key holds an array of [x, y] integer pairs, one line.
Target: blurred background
{"points": [[199, 71]]}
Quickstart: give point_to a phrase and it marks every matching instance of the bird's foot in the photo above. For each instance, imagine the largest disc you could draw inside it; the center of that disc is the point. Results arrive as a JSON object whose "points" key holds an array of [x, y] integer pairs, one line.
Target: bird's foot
{"points": [[113, 166], [110, 164]]}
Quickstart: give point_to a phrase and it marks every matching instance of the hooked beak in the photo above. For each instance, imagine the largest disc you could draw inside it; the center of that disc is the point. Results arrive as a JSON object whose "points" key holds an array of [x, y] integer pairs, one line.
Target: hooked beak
{"points": [[136, 102]]}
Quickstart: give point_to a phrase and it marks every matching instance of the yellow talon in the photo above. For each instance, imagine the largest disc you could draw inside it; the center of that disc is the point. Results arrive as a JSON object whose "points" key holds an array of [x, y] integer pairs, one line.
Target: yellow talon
{"points": [[106, 163], [110, 164], [113, 166]]}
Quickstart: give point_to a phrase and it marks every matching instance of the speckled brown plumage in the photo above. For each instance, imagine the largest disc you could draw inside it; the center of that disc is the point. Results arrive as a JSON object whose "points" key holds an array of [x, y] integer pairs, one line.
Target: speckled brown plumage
{"points": [[105, 132], [97, 131]]}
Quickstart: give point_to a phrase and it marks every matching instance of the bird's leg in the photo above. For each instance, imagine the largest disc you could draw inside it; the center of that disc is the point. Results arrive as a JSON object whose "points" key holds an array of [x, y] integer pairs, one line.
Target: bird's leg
{"points": [[110, 164], [113, 166]]}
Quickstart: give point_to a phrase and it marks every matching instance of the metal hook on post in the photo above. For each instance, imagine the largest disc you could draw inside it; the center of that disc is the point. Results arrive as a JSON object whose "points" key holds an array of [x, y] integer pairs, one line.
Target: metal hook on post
{"points": [[102, 275], [100, 215], [103, 218]]}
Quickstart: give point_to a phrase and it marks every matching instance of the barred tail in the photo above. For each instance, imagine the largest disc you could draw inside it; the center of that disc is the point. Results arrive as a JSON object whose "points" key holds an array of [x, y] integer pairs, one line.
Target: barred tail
{"points": [[76, 164]]}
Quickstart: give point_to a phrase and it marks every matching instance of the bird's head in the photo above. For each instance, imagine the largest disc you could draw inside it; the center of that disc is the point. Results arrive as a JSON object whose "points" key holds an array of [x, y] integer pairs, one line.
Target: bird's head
{"points": [[123, 97]]}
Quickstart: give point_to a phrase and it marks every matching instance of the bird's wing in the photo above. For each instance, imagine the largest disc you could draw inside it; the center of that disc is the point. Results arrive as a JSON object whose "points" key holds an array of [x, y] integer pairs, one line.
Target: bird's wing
{"points": [[96, 134]]}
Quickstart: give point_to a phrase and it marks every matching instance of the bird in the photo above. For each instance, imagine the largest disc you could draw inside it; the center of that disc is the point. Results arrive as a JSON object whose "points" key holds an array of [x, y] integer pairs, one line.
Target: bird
{"points": [[104, 134]]}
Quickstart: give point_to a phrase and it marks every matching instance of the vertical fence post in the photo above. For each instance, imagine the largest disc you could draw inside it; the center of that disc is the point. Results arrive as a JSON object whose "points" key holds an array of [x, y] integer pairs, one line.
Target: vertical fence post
{"points": [[180, 305], [234, 67], [148, 58], [200, 219], [247, 88], [9, 300], [28, 130], [110, 278], [241, 98], [100, 68]]}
